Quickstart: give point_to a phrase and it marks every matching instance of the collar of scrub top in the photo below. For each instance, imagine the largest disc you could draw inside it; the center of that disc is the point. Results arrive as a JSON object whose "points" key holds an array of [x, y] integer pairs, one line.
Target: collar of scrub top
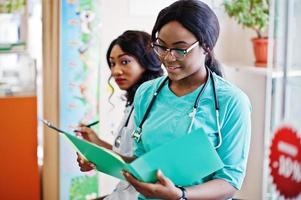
{"points": [[138, 131]]}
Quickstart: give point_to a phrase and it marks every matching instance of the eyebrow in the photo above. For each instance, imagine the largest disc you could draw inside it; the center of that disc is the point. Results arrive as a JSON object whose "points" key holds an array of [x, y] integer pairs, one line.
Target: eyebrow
{"points": [[124, 54], [175, 43]]}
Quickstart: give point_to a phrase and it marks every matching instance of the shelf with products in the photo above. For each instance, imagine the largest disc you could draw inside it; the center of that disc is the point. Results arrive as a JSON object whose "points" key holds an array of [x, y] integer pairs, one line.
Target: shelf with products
{"points": [[14, 29], [18, 101], [17, 75], [16, 47], [17, 67]]}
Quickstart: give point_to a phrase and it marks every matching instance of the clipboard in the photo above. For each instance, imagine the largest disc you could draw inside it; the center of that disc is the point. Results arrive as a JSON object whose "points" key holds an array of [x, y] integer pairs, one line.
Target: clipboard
{"points": [[184, 160]]}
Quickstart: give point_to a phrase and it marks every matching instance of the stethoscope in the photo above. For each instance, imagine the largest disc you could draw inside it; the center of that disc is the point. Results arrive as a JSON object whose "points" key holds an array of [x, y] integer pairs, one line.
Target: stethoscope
{"points": [[138, 131], [118, 138]]}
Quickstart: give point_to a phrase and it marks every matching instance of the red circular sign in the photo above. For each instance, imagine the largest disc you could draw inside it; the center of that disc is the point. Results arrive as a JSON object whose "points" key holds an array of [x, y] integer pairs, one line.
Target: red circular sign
{"points": [[285, 162]]}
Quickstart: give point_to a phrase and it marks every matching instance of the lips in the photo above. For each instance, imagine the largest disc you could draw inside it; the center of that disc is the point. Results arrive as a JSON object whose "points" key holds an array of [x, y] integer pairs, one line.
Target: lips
{"points": [[172, 68], [120, 80]]}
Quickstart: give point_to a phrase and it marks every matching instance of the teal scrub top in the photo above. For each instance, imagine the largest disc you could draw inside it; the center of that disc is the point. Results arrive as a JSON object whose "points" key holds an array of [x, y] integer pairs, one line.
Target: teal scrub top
{"points": [[169, 118]]}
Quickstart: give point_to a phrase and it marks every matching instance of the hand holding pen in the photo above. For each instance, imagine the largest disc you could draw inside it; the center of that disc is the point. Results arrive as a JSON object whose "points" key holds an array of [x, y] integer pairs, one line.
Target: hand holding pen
{"points": [[88, 125], [87, 133]]}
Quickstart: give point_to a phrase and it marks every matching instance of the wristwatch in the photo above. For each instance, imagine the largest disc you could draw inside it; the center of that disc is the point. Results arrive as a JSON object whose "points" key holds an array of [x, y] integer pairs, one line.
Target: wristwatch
{"points": [[184, 193]]}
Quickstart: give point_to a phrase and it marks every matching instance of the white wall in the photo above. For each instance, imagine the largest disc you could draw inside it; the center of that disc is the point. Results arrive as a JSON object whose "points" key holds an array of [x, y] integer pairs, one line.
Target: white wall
{"points": [[234, 46], [257, 92]]}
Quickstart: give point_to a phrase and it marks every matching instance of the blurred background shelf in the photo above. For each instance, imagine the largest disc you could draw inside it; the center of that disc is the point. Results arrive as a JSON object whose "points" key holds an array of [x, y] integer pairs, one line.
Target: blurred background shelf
{"points": [[275, 72], [17, 47], [18, 68], [18, 103]]}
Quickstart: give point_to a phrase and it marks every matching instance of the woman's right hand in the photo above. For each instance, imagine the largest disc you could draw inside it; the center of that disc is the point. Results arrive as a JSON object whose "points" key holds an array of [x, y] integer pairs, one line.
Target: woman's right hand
{"points": [[84, 164], [88, 134]]}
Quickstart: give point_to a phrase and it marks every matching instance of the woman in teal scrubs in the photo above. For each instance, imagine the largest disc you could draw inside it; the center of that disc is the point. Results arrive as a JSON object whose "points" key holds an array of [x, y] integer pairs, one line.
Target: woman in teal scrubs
{"points": [[183, 37]]}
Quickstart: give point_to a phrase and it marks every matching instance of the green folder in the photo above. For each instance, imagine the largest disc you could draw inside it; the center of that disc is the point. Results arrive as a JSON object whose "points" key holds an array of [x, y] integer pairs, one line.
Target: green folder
{"points": [[185, 160]]}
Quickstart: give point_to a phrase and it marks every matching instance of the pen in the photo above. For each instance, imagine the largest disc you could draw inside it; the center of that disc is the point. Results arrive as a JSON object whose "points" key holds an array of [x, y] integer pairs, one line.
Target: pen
{"points": [[92, 124], [88, 125]]}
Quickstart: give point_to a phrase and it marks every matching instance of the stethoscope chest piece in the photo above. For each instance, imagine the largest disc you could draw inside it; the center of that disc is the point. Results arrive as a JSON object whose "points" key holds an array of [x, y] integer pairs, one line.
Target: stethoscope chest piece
{"points": [[117, 142], [137, 134], [122, 131]]}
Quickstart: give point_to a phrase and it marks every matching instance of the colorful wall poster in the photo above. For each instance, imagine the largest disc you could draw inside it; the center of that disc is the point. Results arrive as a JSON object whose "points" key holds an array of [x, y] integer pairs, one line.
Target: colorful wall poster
{"points": [[79, 86]]}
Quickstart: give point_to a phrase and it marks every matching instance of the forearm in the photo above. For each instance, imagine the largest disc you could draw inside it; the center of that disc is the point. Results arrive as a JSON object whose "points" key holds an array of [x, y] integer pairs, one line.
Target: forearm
{"points": [[214, 189], [104, 144], [108, 146], [127, 159]]}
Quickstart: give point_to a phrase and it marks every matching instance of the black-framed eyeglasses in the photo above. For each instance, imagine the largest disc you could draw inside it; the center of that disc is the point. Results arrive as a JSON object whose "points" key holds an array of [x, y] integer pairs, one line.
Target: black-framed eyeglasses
{"points": [[179, 54]]}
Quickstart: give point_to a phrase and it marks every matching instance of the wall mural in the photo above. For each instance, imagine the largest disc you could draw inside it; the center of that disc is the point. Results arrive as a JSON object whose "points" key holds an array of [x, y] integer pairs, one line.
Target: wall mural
{"points": [[79, 86]]}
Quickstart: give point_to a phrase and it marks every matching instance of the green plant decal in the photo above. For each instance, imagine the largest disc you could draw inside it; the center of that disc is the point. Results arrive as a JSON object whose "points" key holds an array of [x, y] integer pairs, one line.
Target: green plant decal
{"points": [[84, 187]]}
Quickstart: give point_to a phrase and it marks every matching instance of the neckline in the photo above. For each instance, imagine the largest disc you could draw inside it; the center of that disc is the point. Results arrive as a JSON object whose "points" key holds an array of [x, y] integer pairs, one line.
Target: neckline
{"points": [[192, 93]]}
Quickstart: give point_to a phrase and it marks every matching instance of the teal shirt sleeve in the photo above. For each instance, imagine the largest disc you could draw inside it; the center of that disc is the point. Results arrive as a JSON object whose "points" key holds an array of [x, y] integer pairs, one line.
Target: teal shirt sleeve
{"points": [[236, 134]]}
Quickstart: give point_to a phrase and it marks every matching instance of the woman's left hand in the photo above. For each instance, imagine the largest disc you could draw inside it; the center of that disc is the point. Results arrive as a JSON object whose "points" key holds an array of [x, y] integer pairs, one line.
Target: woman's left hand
{"points": [[162, 189]]}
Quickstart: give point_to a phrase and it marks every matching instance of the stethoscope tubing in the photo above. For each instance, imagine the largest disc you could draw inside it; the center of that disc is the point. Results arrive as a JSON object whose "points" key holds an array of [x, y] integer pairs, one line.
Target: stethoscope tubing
{"points": [[138, 132]]}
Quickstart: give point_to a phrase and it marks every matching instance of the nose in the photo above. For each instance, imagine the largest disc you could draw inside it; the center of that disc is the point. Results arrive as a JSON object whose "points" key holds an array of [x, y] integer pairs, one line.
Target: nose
{"points": [[169, 56], [116, 70]]}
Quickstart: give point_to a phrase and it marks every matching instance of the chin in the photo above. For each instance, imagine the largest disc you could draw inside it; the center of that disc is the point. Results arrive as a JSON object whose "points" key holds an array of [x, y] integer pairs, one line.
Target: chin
{"points": [[175, 77], [123, 87]]}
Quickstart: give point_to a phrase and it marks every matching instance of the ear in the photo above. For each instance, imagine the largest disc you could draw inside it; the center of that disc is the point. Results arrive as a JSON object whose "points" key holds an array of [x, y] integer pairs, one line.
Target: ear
{"points": [[204, 48]]}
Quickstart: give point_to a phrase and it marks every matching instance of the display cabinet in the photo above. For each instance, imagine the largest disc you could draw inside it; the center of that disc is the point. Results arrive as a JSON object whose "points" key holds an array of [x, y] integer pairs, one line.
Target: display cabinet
{"points": [[17, 67], [20, 177]]}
